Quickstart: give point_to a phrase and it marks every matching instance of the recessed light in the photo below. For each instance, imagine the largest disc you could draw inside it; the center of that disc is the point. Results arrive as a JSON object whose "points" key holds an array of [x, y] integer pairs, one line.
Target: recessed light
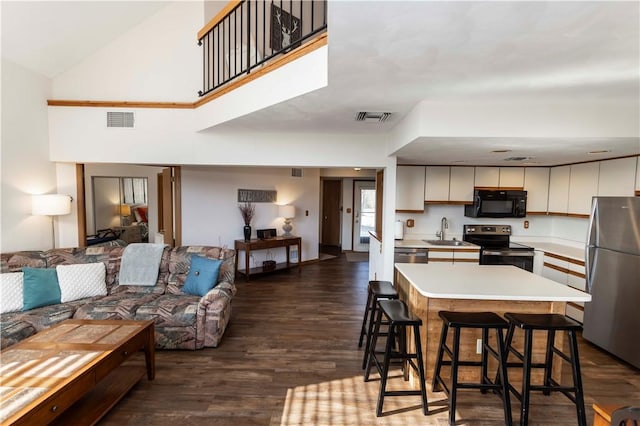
{"points": [[599, 151], [357, 169], [498, 151]]}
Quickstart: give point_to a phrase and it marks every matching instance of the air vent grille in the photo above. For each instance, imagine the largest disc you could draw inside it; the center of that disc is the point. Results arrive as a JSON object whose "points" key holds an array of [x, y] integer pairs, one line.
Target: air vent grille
{"points": [[296, 172], [120, 119], [517, 158], [373, 117]]}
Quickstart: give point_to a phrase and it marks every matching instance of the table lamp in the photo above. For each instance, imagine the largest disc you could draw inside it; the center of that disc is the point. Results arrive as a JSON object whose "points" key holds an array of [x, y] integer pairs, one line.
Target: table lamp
{"points": [[287, 212]]}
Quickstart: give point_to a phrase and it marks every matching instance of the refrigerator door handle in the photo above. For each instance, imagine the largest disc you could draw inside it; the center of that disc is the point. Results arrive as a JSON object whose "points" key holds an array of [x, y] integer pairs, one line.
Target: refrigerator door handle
{"points": [[588, 264], [593, 223]]}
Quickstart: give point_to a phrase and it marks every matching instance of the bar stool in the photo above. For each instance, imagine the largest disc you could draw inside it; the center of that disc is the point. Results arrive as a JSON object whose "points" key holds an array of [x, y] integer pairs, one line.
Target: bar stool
{"points": [[476, 320], [550, 323], [398, 317], [377, 290]]}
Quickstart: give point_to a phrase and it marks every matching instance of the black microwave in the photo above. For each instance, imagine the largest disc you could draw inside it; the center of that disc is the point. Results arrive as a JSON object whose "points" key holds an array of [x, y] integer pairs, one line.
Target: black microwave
{"points": [[497, 203]]}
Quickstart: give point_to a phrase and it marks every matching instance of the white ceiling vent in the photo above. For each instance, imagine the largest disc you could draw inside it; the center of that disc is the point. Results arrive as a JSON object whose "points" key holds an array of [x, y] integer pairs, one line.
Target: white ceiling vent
{"points": [[373, 117], [120, 119], [295, 172]]}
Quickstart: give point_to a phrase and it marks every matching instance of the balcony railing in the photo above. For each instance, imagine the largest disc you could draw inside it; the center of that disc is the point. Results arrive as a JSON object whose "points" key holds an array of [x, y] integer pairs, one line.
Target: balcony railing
{"points": [[254, 32]]}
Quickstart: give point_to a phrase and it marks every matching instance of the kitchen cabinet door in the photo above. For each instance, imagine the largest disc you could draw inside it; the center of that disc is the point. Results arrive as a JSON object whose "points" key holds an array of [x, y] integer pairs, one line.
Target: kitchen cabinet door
{"points": [[617, 177], [487, 177], [511, 177], [410, 188], [466, 256], [441, 255], [461, 184], [559, 189], [583, 185], [436, 185], [536, 183]]}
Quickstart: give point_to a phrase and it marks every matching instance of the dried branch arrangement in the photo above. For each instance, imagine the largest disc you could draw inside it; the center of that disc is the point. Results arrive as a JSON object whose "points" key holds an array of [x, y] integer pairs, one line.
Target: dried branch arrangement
{"points": [[247, 210]]}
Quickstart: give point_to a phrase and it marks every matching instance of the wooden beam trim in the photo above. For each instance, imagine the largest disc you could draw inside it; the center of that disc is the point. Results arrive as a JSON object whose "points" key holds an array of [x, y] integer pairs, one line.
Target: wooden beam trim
{"points": [[575, 306], [565, 270], [219, 17], [409, 211], [120, 104], [537, 213], [500, 188]]}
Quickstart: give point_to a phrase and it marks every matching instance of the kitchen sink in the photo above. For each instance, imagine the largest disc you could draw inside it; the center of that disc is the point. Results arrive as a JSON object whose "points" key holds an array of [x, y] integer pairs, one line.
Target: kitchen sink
{"points": [[447, 242]]}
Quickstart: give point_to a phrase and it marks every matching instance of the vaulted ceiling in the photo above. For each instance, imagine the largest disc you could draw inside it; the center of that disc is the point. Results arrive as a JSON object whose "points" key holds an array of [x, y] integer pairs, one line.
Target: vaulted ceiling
{"points": [[389, 56]]}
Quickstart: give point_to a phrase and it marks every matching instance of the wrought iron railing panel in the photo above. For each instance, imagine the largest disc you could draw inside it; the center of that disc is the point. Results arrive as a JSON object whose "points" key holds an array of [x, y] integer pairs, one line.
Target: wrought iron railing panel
{"points": [[254, 32]]}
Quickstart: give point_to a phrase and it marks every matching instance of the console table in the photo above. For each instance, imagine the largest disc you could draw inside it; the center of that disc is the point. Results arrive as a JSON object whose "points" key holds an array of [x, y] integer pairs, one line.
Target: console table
{"points": [[252, 245]]}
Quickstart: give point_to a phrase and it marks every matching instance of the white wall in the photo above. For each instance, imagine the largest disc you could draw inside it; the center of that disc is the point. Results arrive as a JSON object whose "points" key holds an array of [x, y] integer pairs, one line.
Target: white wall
{"points": [[210, 209], [26, 168], [157, 60]]}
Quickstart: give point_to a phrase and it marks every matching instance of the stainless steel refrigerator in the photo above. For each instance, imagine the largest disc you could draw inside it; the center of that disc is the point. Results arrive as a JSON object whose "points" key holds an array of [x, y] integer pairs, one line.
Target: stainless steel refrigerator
{"points": [[612, 318]]}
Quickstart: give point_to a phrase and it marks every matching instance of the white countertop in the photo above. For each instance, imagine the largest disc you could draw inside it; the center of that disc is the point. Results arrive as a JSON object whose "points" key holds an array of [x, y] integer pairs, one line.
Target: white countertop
{"points": [[559, 249], [485, 282], [423, 244]]}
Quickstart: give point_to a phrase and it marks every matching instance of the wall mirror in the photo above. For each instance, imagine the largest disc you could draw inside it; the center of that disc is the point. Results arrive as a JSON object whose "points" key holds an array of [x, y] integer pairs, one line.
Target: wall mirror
{"points": [[120, 204]]}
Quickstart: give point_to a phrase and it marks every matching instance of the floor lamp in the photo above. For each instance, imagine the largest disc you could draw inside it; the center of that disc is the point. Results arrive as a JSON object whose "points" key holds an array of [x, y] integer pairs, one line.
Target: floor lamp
{"points": [[51, 205]]}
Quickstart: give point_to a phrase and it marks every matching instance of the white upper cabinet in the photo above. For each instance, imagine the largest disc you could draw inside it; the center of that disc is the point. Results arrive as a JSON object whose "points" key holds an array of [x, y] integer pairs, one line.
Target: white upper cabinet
{"points": [[536, 183], [487, 177], [617, 177], [410, 188], [511, 177], [436, 186], [461, 184], [583, 185], [559, 189]]}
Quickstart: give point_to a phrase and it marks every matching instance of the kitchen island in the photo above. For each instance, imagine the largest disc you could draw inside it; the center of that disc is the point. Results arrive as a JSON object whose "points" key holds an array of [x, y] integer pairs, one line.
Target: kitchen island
{"points": [[430, 288]]}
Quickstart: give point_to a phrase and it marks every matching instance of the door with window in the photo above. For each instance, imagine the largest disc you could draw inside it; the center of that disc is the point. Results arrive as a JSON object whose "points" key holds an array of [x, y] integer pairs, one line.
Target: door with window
{"points": [[364, 213]]}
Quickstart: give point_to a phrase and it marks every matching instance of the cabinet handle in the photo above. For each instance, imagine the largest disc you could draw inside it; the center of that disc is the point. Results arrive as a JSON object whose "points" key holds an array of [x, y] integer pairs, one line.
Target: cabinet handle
{"points": [[54, 408], [126, 353]]}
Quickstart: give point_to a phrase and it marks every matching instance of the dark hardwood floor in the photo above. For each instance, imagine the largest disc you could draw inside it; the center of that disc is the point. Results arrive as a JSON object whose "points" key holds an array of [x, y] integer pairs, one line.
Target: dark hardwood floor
{"points": [[290, 357]]}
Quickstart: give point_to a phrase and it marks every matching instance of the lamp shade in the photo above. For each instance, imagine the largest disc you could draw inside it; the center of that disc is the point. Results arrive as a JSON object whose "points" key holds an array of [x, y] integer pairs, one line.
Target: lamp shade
{"points": [[125, 210], [287, 211], [50, 205]]}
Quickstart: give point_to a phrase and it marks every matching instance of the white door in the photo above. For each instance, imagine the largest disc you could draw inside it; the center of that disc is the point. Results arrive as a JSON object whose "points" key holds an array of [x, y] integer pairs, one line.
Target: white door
{"points": [[364, 213]]}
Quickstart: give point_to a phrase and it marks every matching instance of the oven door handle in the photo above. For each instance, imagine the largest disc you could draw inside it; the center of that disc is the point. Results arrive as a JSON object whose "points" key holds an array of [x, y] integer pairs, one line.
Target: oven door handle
{"points": [[508, 253]]}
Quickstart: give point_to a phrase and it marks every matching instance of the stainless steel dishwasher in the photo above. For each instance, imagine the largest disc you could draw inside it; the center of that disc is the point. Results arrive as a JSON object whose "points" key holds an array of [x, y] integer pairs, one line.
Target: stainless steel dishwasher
{"points": [[411, 255]]}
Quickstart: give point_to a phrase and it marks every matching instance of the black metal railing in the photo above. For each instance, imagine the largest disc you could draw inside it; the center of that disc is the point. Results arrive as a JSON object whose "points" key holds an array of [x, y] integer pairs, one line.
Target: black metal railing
{"points": [[253, 33]]}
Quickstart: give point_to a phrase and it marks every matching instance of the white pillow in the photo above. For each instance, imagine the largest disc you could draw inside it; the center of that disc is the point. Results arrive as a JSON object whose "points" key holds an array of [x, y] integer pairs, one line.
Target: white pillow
{"points": [[11, 292], [81, 280]]}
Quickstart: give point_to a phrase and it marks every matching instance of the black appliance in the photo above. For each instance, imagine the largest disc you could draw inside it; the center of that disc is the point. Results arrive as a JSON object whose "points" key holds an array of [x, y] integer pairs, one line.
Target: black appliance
{"points": [[495, 247], [497, 203]]}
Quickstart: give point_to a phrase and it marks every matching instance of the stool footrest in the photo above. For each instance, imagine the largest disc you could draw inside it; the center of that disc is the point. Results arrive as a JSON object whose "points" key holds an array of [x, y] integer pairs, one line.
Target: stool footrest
{"points": [[403, 393]]}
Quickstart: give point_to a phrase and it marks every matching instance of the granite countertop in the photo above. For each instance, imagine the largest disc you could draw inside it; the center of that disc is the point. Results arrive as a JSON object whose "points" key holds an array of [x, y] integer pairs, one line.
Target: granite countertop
{"points": [[485, 282]]}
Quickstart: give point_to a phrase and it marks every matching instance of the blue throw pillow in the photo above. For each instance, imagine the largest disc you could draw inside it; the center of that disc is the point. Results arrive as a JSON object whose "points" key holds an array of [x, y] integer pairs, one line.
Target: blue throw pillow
{"points": [[40, 288], [203, 275]]}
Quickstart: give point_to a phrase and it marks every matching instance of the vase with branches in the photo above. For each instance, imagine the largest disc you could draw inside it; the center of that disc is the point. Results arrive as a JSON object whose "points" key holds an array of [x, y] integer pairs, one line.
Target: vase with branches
{"points": [[247, 210]]}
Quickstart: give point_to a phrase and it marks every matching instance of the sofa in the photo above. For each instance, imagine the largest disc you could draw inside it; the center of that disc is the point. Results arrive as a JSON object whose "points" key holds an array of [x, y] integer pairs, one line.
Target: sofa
{"points": [[182, 321]]}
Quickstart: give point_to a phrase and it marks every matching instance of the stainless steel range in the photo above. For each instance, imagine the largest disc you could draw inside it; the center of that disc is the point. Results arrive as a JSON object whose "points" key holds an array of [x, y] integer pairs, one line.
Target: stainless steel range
{"points": [[495, 247]]}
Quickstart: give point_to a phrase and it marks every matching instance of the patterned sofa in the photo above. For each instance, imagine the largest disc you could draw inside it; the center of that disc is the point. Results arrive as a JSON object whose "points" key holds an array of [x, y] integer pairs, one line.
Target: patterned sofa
{"points": [[181, 321]]}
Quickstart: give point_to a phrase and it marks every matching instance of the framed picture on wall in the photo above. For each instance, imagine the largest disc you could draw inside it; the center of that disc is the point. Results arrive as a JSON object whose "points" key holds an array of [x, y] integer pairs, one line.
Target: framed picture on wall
{"points": [[286, 29]]}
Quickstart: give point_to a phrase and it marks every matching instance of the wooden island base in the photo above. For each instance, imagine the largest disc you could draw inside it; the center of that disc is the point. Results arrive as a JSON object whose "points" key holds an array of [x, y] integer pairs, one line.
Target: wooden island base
{"points": [[427, 308]]}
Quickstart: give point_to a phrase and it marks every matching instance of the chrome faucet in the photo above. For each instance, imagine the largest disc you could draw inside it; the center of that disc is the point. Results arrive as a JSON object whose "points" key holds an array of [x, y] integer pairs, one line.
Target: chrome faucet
{"points": [[444, 224]]}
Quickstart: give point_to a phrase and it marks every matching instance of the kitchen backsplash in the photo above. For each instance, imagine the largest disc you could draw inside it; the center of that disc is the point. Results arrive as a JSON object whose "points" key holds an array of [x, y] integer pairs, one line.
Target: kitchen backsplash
{"points": [[556, 227]]}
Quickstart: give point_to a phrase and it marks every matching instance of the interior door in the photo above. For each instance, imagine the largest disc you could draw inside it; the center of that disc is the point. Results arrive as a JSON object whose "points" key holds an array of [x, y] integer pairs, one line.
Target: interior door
{"points": [[331, 196], [169, 198], [364, 213]]}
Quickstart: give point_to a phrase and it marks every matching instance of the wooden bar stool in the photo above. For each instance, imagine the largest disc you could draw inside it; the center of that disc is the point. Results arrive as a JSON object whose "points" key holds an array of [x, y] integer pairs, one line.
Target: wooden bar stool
{"points": [[397, 313], [478, 320], [549, 323], [377, 290]]}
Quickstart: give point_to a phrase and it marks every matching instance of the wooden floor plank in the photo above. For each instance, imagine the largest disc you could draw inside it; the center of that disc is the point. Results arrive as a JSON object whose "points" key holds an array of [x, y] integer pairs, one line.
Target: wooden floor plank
{"points": [[290, 357]]}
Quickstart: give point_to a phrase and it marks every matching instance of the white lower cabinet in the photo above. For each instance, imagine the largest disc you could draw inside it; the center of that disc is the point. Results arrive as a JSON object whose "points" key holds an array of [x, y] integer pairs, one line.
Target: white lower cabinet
{"points": [[568, 272], [454, 255]]}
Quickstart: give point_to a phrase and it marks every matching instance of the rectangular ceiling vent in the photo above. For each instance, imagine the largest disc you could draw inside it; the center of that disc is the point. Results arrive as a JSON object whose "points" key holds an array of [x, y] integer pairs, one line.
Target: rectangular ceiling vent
{"points": [[120, 119], [373, 117], [296, 172], [518, 158]]}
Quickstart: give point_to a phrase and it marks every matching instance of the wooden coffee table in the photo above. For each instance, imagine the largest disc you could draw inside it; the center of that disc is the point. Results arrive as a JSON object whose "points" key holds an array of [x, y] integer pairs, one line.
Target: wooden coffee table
{"points": [[71, 373]]}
